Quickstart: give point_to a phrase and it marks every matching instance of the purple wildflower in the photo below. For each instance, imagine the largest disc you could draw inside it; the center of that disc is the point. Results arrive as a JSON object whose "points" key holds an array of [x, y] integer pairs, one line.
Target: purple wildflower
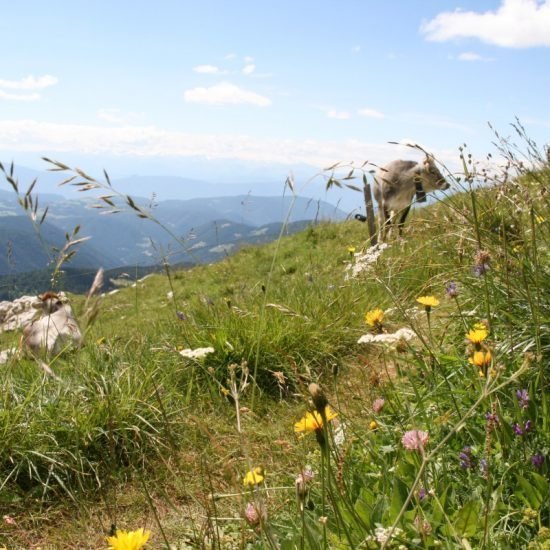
{"points": [[492, 419], [517, 429], [451, 290], [422, 492], [537, 461], [466, 459], [523, 398], [520, 431], [481, 269]]}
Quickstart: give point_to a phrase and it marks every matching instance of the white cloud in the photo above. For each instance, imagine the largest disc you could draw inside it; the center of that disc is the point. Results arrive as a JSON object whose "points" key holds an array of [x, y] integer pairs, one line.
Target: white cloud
{"points": [[472, 56], [116, 116], [248, 59], [18, 97], [225, 93], [371, 113], [340, 115], [249, 69], [208, 69], [515, 24], [29, 83], [149, 141]]}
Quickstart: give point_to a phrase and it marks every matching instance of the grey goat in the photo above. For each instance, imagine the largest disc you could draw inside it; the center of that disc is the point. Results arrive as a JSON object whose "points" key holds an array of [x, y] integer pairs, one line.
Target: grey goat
{"points": [[395, 186]]}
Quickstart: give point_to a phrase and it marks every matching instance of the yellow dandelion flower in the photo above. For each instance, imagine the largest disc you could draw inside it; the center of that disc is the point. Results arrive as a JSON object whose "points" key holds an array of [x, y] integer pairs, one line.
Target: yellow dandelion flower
{"points": [[478, 333], [312, 421], [129, 540], [254, 477], [428, 301], [374, 317], [351, 249], [481, 358]]}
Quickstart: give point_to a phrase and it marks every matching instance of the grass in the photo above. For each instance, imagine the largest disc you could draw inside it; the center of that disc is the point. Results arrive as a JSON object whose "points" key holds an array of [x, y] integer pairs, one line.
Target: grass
{"points": [[135, 435]]}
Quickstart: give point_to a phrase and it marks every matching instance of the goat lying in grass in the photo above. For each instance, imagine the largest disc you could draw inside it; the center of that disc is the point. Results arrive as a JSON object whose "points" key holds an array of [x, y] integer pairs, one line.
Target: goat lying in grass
{"points": [[395, 186]]}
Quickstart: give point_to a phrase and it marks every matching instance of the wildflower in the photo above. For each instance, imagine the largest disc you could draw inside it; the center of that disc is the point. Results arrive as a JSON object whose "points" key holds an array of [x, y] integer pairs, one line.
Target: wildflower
{"points": [[374, 318], [477, 334], [451, 289], [197, 353], [414, 440], [377, 405], [251, 514], [537, 460], [539, 219], [428, 302], [520, 430], [318, 396], [466, 459], [481, 269], [482, 261], [351, 250], [421, 494], [493, 421], [481, 358], [255, 512], [129, 540], [302, 483], [312, 421], [383, 535], [523, 398], [423, 526], [373, 425], [254, 477]]}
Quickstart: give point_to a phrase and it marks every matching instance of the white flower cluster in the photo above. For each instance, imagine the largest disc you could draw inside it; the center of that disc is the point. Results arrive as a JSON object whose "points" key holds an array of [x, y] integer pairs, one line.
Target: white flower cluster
{"points": [[198, 353], [391, 338], [363, 261]]}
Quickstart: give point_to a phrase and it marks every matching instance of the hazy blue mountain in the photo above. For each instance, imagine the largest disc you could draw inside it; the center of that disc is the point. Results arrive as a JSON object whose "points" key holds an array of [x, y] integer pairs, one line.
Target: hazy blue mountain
{"points": [[23, 249], [194, 230]]}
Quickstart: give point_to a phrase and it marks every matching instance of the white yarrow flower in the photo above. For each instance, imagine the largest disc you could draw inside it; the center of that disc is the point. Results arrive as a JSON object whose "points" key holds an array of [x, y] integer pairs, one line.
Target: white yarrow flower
{"points": [[198, 353]]}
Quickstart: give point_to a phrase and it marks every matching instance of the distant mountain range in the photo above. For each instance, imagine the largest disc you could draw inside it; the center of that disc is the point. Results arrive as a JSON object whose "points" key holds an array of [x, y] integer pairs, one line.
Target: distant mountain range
{"points": [[190, 231]]}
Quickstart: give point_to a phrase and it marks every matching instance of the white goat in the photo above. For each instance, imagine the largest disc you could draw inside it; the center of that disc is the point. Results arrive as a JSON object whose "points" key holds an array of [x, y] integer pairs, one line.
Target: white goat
{"points": [[395, 186], [55, 330]]}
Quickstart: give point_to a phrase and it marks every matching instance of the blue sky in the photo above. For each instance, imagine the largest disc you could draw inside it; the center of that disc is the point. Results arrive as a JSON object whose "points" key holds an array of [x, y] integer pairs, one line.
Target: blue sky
{"points": [[220, 89]]}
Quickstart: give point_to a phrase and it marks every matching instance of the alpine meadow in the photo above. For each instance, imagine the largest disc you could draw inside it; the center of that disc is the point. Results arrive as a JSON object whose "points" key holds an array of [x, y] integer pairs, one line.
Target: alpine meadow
{"points": [[315, 392]]}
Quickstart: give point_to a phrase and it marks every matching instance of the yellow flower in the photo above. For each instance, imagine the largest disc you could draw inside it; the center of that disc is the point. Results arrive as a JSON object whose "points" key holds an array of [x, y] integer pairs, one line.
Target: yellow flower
{"points": [[129, 540], [373, 425], [481, 358], [428, 301], [254, 477], [539, 219], [351, 249], [312, 421], [478, 333], [374, 317]]}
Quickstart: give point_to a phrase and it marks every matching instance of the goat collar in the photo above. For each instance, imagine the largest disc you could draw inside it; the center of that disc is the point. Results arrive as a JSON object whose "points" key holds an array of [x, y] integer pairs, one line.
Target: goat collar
{"points": [[420, 193]]}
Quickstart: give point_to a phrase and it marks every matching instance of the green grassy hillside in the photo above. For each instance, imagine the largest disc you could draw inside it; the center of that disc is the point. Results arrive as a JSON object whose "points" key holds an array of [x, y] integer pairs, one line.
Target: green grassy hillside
{"points": [[440, 440]]}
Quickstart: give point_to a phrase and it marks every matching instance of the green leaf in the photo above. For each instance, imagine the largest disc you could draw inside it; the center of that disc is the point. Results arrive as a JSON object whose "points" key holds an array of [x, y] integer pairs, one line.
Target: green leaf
{"points": [[399, 495], [528, 493], [468, 518]]}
